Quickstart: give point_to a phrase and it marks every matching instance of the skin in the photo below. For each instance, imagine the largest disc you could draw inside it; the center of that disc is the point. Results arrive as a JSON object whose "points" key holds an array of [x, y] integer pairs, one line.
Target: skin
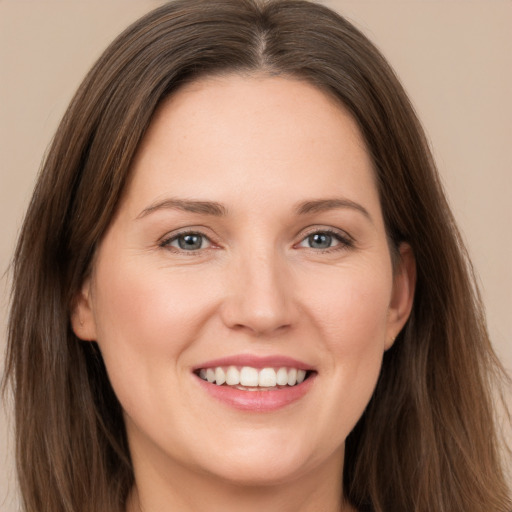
{"points": [[258, 146]]}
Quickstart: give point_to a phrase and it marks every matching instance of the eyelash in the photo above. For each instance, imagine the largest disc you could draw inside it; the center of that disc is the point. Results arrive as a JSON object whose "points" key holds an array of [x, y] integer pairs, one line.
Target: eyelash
{"points": [[345, 241]]}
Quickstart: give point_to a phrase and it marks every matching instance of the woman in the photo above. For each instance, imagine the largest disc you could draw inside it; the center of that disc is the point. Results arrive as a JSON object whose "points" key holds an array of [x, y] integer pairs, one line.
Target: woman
{"points": [[239, 285]]}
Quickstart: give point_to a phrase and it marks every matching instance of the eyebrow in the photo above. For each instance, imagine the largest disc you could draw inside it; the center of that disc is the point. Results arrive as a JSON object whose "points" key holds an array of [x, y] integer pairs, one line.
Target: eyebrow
{"points": [[322, 205], [218, 210], [186, 205]]}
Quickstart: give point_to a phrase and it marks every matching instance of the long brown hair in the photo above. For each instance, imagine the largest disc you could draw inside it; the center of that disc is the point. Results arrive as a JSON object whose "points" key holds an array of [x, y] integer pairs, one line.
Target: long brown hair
{"points": [[428, 438]]}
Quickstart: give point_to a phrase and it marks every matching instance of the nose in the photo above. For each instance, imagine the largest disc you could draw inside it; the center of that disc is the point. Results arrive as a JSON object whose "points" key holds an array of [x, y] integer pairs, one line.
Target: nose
{"points": [[259, 297]]}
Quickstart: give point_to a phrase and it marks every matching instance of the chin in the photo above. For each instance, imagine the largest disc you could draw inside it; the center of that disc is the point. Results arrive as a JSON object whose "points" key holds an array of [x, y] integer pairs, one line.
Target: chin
{"points": [[263, 463], [260, 473]]}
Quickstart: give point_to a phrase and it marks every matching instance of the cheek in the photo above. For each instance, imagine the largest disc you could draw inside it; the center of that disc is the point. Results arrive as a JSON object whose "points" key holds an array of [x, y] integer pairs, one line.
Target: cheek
{"points": [[146, 309], [352, 319], [351, 308], [145, 321]]}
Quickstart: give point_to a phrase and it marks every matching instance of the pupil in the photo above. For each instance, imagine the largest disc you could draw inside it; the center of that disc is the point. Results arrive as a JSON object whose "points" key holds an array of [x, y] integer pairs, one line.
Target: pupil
{"points": [[188, 242], [320, 241]]}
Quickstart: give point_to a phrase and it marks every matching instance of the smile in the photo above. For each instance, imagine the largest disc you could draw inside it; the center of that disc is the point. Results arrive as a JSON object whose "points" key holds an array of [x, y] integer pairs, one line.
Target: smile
{"points": [[256, 384], [248, 378]]}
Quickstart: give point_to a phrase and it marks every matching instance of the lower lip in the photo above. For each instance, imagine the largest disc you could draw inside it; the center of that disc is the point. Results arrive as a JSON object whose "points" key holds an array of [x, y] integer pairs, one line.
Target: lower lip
{"points": [[258, 401]]}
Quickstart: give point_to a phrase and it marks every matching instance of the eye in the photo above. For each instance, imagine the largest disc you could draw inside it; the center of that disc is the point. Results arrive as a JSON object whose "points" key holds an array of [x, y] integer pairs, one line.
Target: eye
{"points": [[188, 242], [325, 239], [320, 240]]}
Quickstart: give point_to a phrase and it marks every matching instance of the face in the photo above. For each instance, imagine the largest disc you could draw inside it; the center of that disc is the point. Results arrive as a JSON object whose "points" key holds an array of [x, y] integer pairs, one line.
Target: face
{"points": [[249, 247]]}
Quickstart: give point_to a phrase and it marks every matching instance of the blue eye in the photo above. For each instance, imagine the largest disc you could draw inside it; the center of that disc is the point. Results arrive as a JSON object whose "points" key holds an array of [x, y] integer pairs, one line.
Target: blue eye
{"points": [[188, 242], [320, 241], [323, 240]]}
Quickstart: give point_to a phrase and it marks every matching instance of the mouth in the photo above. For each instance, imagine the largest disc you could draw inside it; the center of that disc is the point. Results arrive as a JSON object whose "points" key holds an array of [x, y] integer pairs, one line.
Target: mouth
{"points": [[248, 378], [254, 383]]}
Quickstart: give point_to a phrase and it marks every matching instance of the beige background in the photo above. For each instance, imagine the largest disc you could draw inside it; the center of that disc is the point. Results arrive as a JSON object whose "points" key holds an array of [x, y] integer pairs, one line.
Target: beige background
{"points": [[453, 56]]}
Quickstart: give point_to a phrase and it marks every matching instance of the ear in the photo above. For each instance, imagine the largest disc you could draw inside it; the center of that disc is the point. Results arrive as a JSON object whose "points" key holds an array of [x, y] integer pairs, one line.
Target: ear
{"points": [[82, 314], [404, 284]]}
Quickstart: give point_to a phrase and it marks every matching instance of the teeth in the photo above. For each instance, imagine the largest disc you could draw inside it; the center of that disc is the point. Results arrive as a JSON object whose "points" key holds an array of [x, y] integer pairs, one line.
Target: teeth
{"points": [[248, 377], [267, 377], [232, 376], [220, 376], [282, 377]]}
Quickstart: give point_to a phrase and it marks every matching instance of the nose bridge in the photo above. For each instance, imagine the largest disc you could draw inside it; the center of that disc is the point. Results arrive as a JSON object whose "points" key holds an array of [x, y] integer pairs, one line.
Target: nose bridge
{"points": [[260, 295]]}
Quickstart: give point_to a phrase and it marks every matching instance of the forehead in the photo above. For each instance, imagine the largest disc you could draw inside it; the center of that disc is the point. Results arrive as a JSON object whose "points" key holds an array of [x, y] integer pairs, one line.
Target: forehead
{"points": [[251, 133], [273, 104]]}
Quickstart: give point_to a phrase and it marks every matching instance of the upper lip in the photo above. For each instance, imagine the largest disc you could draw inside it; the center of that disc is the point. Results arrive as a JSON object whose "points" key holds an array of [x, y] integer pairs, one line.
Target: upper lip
{"points": [[276, 361]]}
